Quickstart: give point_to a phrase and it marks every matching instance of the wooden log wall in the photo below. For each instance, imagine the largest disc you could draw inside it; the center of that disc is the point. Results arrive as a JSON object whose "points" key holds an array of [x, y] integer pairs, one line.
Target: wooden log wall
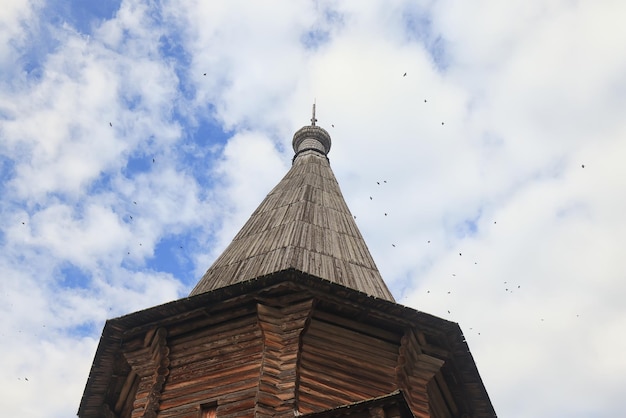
{"points": [[151, 364], [275, 354], [416, 373], [340, 365], [282, 330], [217, 362]]}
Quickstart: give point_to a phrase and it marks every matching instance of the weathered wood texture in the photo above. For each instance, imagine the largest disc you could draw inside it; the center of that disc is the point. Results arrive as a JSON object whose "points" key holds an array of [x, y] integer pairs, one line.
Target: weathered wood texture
{"points": [[305, 224], [392, 405], [283, 349], [415, 371], [341, 365], [282, 331], [218, 362]]}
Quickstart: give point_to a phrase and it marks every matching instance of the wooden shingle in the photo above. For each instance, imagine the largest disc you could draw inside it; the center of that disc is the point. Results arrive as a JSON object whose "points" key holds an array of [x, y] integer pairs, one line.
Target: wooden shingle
{"points": [[304, 224]]}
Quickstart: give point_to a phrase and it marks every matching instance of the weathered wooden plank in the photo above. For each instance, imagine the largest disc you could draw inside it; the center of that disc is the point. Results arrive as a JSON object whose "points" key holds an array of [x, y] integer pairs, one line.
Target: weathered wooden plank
{"points": [[202, 392], [344, 354], [324, 357], [363, 328], [282, 328], [213, 367], [358, 342], [344, 382]]}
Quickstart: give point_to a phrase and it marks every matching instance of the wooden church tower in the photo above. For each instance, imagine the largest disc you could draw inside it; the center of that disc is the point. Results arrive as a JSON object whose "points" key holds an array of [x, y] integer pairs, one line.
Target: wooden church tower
{"points": [[293, 319]]}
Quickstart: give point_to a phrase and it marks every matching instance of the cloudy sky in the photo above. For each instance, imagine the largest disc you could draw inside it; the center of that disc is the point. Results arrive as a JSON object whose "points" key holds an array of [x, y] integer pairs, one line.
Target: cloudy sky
{"points": [[136, 137]]}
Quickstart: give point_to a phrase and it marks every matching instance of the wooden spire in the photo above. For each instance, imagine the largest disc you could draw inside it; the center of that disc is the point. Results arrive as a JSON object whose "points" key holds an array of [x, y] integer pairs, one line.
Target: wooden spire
{"points": [[304, 224]]}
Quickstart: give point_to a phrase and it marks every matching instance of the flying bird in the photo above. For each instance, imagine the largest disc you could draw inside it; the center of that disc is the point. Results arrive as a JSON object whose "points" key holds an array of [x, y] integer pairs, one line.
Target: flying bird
{"points": [[404, 75], [204, 74], [442, 123], [393, 245], [583, 166], [424, 100], [332, 125], [110, 124], [370, 197]]}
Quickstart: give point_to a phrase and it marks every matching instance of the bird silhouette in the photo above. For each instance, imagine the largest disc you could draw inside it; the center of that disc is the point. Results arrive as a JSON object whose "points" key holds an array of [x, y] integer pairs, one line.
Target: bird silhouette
{"points": [[153, 160], [370, 197], [393, 245], [110, 124], [204, 74], [583, 166], [404, 75]]}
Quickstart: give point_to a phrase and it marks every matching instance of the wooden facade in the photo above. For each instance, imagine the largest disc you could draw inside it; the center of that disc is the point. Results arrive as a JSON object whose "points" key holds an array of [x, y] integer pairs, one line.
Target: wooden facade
{"points": [[293, 319], [283, 345]]}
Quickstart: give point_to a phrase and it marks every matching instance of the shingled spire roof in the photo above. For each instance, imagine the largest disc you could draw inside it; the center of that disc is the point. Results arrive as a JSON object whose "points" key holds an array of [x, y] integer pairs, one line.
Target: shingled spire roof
{"points": [[302, 224]]}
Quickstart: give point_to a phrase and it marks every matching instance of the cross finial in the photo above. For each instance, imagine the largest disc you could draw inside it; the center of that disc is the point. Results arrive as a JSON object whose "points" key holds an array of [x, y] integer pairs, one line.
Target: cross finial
{"points": [[313, 120]]}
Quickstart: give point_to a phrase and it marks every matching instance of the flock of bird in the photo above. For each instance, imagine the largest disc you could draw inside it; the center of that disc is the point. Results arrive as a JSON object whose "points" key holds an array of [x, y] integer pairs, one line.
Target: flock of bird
{"points": [[506, 286]]}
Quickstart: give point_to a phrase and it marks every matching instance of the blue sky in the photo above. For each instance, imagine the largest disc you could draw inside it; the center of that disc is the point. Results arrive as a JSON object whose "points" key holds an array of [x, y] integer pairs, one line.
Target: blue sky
{"points": [[136, 137]]}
